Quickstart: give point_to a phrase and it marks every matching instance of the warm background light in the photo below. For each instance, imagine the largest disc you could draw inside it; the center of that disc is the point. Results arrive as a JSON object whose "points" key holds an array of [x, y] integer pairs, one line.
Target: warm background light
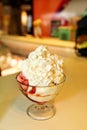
{"points": [[24, 18]]}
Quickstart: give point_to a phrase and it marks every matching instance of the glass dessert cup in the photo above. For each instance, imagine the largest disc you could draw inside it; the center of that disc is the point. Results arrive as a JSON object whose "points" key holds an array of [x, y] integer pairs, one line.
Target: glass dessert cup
{"points": [[42, 97]]}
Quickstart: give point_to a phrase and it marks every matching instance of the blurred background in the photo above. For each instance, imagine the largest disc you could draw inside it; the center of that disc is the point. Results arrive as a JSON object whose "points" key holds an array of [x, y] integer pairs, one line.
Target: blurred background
{"points": [[57, 23], [50, 15]]}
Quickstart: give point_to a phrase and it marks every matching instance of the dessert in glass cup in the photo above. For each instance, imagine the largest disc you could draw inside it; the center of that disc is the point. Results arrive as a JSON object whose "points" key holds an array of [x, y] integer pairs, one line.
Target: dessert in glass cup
{"points": [[41, 79]]}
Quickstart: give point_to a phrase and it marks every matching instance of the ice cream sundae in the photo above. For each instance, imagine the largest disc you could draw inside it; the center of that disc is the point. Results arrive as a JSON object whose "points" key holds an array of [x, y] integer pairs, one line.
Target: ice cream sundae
{"points": [[40, 74], [40, 80]]}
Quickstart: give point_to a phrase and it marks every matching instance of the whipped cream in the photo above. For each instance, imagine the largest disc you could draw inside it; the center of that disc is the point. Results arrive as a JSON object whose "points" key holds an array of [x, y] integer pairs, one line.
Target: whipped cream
{"points": [[41, 68]]}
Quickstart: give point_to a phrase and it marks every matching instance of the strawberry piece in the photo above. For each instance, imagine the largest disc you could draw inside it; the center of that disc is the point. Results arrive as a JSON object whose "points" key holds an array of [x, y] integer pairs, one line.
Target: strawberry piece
{"points": [[22, 79], [33, 90]]}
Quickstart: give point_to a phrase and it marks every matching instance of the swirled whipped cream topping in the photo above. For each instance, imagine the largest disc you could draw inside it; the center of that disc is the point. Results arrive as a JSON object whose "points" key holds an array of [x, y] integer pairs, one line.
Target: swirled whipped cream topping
{"points": [[41, 68]]}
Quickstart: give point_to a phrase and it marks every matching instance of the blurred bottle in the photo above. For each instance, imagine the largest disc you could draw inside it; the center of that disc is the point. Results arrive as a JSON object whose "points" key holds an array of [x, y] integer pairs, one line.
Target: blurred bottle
{"points": [[81, 37], [1, 14], [37, 28], [27, 7], [15, 18], [6, 15], [12, 17]]}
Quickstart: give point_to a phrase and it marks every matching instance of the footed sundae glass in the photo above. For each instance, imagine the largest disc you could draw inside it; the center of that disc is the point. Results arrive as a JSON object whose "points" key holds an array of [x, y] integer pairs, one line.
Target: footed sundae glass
{"points": [[41, 96]]}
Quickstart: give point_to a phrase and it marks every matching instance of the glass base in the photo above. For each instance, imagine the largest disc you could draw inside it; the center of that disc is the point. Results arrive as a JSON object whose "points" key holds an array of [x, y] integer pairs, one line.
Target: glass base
{"points": [[41, 112]]}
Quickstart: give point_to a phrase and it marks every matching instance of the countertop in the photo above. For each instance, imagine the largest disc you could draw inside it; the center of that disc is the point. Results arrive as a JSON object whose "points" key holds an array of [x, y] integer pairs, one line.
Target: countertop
{"points": [[71, 103], [24, 44]]}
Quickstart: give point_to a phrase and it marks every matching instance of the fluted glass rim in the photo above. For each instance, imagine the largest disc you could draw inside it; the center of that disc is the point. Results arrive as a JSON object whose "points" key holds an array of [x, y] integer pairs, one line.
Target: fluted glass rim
{"points": [[61, 81]]}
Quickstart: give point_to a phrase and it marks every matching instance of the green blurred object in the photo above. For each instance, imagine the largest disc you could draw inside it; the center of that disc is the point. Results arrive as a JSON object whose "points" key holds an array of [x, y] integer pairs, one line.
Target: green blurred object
{"points": [[54, 27], [54, 33], [66, 33]]}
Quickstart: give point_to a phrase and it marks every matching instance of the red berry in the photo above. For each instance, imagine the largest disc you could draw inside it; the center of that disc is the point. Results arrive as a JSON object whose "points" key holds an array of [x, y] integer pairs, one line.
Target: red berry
{"points": [[33, 90]]}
